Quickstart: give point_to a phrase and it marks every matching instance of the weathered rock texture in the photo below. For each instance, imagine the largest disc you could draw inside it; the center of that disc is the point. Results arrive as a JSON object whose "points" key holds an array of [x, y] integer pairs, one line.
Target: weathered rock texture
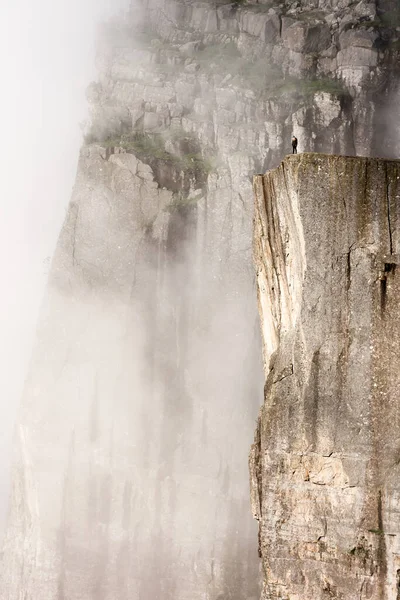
{"points": [[130, 477], [325, 462], [241, 77], [124, 487]]}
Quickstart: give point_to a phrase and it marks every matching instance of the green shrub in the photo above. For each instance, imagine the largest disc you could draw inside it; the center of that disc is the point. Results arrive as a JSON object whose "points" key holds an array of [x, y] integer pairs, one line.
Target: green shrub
{"points": [[150, 147], [377, 531], [181, 200]]}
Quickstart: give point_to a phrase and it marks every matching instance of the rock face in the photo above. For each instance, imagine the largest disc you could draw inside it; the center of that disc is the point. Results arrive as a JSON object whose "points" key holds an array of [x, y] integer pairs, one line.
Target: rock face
{"points": [[130, 477], [241, 77], [123, 485], [324, 465]]}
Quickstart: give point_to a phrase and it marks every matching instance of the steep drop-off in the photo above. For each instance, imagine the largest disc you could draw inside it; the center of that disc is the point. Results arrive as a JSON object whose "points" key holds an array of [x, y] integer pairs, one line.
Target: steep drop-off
{"points": [[123, 485], [130, 476], [325, 462]]}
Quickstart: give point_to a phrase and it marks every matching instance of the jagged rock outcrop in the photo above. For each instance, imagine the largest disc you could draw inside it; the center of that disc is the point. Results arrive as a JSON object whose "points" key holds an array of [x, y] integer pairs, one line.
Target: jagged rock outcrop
{"points": [[242, 76], [325, 462]]}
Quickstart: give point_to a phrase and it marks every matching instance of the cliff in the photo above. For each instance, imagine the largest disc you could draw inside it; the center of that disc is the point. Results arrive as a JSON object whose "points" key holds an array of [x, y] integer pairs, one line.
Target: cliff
{"points": [[324, 465], [241, 77], [130, 476], [123, 486]]}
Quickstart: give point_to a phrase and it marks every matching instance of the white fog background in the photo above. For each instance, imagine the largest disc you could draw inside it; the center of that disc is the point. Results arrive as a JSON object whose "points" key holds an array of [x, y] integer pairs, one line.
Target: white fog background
{"points": [[47, 60]]}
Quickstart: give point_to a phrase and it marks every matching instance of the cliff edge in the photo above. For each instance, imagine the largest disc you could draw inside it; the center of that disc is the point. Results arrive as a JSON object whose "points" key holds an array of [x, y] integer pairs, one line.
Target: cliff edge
{"points": [[325, 462]]}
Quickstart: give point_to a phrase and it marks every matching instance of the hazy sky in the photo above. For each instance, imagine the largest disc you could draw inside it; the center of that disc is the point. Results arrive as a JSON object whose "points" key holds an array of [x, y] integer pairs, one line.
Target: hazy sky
{"points": [[47, 60]]}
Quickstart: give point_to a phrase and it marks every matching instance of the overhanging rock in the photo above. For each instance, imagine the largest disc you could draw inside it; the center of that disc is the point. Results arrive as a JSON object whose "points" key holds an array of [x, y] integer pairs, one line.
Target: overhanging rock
{"points": [[325, 465]]}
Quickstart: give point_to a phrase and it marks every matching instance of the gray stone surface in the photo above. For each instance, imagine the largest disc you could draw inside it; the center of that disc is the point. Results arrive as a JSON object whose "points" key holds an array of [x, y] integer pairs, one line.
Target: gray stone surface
{"points": [[130, 478], [324, 465], [284, 54], [123, 486]]}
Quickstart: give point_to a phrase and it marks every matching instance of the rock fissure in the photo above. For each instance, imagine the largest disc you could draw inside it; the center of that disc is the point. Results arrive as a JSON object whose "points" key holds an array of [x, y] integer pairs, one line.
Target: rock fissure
{"points": [[274, 253], [287, 372], [388, 212]]}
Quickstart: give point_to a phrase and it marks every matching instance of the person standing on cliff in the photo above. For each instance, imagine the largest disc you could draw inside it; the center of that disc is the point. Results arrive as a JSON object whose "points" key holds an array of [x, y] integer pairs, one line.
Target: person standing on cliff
{"points": [[294, 144]]}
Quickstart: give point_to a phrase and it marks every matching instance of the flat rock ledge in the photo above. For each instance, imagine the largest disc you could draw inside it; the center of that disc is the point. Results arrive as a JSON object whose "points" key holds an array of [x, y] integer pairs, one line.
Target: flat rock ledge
{"points": [[325, 463]]}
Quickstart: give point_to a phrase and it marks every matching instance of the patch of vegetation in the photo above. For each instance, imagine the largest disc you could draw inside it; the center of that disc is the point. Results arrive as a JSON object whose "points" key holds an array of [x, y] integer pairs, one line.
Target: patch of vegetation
{"points": [[294, 87], [150, 147], [365, 24], [261, 77], [310, 15], [330, 86], [377, 531], [144, 145], [261, 8], [182, 200]]}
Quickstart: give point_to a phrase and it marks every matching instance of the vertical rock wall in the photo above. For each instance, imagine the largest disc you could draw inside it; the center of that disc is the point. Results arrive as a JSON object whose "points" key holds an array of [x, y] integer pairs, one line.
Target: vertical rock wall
{"points": [[324, 465], [123, 485], [130, 478]]}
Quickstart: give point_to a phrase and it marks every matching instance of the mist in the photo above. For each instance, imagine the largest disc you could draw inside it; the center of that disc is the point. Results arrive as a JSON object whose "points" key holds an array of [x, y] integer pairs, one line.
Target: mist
{"points": [[136, 417], [139, 402], [48, 52]]}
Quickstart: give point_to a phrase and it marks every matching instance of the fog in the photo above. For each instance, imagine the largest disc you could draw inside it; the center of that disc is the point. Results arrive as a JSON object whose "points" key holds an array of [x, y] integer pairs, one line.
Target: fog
{"points": [[140, 401], [47, 50]]}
